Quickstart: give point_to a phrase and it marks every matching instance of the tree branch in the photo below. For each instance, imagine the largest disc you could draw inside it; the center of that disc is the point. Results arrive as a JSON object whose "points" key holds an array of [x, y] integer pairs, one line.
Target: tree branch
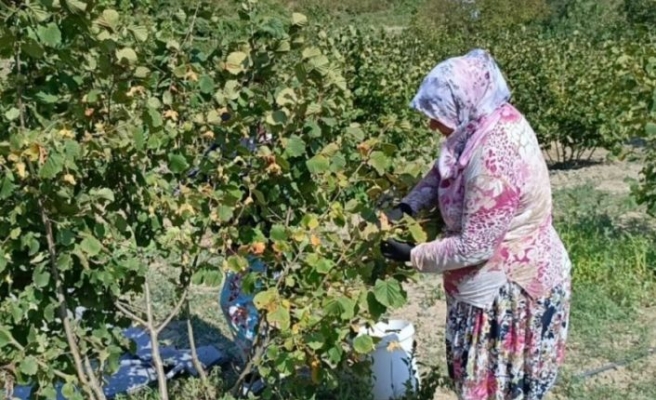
{"points": [[124, 310], [154, 341], [173, 313]]}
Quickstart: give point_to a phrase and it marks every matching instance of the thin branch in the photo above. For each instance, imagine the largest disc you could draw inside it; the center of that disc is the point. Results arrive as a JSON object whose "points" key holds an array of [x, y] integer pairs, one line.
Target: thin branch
{"points": [[192, 344], [124, 310], [173, 313], [154, 341], [95, 384]]}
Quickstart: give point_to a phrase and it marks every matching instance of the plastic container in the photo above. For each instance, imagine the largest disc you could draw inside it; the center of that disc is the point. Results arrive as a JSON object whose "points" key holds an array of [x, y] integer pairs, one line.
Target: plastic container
{"points": [[393, 362]]}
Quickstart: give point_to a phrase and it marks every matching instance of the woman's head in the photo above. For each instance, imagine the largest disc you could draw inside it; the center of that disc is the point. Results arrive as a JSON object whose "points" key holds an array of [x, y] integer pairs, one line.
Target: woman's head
{"points": [[460, 90]]}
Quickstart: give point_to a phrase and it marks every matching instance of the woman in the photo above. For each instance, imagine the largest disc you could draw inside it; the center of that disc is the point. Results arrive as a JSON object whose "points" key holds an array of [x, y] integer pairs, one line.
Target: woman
{"points": [[506, 271]]}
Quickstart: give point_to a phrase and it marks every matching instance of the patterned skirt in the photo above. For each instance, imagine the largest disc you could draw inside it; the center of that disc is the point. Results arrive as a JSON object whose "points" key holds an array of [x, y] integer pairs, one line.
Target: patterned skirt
{"points": [[510, 351]]}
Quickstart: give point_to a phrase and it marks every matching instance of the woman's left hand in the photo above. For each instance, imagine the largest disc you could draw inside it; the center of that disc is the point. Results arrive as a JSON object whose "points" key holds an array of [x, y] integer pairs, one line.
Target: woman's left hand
{"points": [[395, 250]]}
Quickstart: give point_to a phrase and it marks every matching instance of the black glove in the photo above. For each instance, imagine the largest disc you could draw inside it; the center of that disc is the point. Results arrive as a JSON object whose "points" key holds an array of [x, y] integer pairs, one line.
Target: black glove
{"points": [[395, 250], [397, 212]]}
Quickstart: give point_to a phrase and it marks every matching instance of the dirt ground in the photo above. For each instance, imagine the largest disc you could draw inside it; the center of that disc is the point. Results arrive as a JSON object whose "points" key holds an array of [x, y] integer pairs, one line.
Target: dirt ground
{"points": [[426, 307]]}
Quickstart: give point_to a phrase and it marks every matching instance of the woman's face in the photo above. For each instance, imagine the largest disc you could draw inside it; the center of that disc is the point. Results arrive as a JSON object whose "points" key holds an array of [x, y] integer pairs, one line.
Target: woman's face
{"points": [[438, 126]]}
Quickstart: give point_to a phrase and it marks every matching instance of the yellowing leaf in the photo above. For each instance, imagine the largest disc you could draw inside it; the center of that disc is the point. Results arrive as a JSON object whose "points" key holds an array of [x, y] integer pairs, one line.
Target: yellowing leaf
{"points": [[66, 133], [126, 55], [191, 75], [70, 179], [186, 208], [299, 19], [171, 114], [208, 135], [417, 233], [21, 170], [32, 152], [236, 62]]}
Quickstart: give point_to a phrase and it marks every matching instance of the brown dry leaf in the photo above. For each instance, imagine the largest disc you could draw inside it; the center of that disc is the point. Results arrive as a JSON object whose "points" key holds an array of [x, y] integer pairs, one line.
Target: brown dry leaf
{"points": [[208, 135], [191, 75], [364, 148], [89, 112], [135, 90], [316, 242], [394, 345], [258, 248], [171, 114], [384, 222], [274, 169]]}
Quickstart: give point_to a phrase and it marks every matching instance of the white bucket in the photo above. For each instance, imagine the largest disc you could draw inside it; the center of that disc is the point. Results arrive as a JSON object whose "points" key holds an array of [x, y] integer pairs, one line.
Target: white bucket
{"points": [[393, 363]]}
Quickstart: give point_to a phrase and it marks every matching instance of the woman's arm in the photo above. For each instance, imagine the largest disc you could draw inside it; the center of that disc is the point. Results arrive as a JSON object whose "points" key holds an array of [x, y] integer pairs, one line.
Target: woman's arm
{"points": [[424, 194], [490, 202]]}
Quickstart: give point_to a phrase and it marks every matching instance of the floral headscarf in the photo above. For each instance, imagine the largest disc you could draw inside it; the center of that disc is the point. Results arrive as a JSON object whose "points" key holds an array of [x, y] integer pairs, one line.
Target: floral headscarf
{"points": [[466, 94]]}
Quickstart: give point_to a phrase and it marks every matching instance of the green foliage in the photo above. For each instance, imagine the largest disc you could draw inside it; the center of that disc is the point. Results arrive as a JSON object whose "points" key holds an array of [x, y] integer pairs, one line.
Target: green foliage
{"points": [[103, 115]]}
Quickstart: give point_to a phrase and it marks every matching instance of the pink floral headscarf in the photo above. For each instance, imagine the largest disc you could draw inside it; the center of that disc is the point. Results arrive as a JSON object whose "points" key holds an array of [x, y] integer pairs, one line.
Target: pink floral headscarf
{"points": [[466, 94]]}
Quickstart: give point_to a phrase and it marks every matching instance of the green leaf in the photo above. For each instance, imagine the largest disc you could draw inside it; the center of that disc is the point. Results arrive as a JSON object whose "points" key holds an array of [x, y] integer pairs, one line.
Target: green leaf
{"points": [[265, 298], [91, 246], [650, 130], [286, 97], [68, 390], [155, 117], [299, 19], [3, 262], [363, 344], [139, 32], [41, 278], [103, 193], [50, 35], [324, 266], [312, 129], [126, 55], [311, 52], [47, 98], [280, 318], [379, 161], [206, 84], [236, 62], [29, 366], [76, 6], [278, 233], [5, 337], [315, 341], [342, 306], [318, 164], [275, 118], [12, 114], [109, 19], [178, 163], [355, 132], [417, 233], [294, 146], [53, 166], [7, 188], [141, 72], [389, 293], [225, 213]]}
